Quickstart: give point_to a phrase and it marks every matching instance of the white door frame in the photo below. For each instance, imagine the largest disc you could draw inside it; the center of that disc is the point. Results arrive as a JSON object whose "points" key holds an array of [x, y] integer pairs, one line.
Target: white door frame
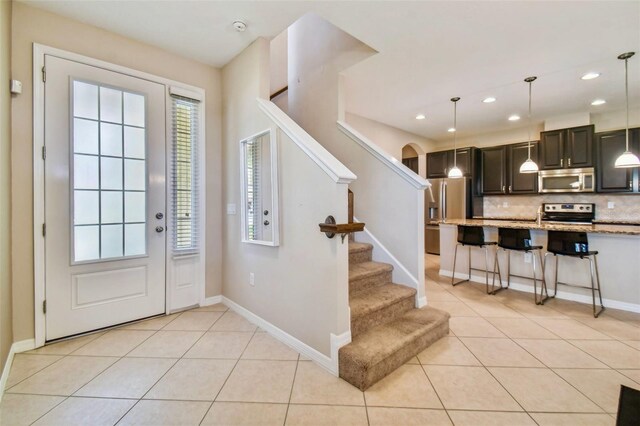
{"points": [[39, 52]]}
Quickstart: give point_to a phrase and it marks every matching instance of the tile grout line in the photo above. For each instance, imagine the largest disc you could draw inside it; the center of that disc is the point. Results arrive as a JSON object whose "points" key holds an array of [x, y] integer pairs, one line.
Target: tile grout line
{"points": [[434, 389], [293, 382], [230, 372]]}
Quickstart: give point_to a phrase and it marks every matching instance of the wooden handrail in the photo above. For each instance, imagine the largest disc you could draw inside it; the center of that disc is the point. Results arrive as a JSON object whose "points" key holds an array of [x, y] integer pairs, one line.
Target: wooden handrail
{"points": [[278, 93], [331, 228]]}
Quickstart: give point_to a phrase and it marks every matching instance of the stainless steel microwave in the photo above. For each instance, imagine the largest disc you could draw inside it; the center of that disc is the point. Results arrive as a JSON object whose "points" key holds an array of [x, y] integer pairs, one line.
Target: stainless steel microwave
{"points": [[566, 180]]}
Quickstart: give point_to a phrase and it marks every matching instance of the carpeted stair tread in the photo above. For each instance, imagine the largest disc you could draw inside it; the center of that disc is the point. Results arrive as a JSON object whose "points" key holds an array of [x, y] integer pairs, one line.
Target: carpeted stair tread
{"points": [[367, 269], [373, 299], [381, 350], [359, 247], [359, 252]]}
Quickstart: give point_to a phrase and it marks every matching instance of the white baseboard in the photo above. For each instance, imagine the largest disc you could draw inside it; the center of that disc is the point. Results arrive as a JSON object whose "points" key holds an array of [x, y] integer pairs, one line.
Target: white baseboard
{"points": [[565, 295], [16, 347], [337, 341], [213, 300], [401, 274]]}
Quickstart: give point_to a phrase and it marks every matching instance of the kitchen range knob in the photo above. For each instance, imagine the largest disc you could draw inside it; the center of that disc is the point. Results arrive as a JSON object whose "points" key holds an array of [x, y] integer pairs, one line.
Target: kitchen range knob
{"points": [[159, 229]]}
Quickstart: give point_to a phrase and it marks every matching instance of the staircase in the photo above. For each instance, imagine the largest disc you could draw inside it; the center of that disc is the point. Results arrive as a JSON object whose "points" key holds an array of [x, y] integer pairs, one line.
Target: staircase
{"points": [[386, 329]]}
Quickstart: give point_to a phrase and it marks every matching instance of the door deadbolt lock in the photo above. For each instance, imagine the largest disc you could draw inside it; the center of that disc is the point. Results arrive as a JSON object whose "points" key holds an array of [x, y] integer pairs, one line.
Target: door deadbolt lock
{"points": [[159, 229], [266, 223], [266, 212], [159, 215]]}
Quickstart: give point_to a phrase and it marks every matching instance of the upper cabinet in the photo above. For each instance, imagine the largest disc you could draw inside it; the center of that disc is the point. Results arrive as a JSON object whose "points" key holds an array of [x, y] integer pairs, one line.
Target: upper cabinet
{"points": [[521, 183], [567, 148], [493, 170], [411, 163], [439, 163], [609, 146]]}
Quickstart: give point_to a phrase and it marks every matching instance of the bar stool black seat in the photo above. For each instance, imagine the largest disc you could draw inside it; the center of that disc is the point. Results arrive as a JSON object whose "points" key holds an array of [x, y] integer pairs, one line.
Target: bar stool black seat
{"points": [[575, 244], [519, 240], [472, 236]]}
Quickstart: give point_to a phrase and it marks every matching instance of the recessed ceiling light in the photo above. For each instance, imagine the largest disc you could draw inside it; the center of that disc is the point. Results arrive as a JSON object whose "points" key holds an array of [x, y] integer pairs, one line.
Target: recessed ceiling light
{"points": [[590, 75], [514, 117], [420, 117], [489, 100], [598, 102], [451, 130]]}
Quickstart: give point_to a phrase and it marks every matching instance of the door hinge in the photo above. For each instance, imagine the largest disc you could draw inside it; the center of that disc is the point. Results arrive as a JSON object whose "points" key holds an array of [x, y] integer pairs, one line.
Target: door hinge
{"points": [[44, 229], [44, 75], [44, 306], [44, 152]]}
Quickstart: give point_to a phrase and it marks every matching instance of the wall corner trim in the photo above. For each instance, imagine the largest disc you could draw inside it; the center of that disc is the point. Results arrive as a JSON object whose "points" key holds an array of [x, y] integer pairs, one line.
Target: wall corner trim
{"points": [[393, 163], [338, 341], [321, 359], [323, 158], [16, 347]]}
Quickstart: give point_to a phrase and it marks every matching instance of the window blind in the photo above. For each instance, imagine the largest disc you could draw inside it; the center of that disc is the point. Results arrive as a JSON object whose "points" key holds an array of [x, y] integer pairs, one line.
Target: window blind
{"points": [[254, 196], [185, 185]]}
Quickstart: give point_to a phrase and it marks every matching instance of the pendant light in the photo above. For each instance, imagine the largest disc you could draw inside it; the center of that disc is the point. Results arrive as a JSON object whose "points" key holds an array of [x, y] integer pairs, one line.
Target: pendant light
{"points": [[455, 172], [529, 166], [628, 158]]}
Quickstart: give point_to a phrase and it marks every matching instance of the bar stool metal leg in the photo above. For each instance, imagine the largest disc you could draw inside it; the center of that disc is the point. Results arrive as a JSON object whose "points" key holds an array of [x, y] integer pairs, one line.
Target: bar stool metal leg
{"points": [[453, 273], [595, 277], [496, 266], [544, 293]]}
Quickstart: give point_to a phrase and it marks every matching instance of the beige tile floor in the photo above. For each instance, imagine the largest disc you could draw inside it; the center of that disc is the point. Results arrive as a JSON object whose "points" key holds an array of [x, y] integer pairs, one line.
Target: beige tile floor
{"points": [[505, 362]]}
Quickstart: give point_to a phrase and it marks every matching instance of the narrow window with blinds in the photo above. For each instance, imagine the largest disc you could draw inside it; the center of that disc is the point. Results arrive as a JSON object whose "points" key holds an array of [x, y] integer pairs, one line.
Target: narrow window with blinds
{"points": [[259, 189], [184, 175]]}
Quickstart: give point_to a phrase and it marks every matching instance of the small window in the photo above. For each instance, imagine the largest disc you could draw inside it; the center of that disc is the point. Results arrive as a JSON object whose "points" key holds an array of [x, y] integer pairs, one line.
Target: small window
{"points": [[260, 189], [185, 185]]}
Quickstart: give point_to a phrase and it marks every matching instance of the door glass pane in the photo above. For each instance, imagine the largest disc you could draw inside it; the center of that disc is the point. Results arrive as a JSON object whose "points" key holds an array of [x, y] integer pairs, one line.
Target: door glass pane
{"points": [[135, 210], [103, 166], [110, 105], [86, 243], [111, 139], [111, 207], [134, 109], [85, 100], [110, 173], [85, 136], [86, 211], [134, 144], [134, 175], [85, 172], [111, 241], [134, 240]]}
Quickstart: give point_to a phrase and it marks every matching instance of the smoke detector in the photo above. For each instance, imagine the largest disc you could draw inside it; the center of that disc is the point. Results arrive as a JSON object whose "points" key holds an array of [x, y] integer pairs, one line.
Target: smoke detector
{"points": [[239, 26]]}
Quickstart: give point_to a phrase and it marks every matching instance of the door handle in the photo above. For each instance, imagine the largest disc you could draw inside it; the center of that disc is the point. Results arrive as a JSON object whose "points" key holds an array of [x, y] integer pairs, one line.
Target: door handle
{"points": [[266, 223], [159, 229], [561, 161], [569, 161]]}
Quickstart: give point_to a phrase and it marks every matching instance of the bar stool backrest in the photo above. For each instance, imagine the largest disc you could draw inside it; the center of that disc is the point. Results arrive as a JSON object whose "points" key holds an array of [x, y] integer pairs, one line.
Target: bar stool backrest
{"points": [[471, 235], [567, 243], [514, 239]]}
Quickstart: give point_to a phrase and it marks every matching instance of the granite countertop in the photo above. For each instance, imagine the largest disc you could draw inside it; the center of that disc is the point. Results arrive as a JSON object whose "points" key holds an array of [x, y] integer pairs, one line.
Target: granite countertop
{"points": [[525, 224]]}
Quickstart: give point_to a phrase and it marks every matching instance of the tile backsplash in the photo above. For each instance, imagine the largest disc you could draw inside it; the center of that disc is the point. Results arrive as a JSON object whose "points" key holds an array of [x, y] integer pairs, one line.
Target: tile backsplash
{"points": [[626, 207]]}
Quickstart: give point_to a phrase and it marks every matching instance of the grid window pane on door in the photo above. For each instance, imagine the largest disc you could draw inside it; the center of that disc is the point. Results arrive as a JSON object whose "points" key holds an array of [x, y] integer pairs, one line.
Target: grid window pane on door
{"points": [[253, 161], [109, 172], [184, 175]]}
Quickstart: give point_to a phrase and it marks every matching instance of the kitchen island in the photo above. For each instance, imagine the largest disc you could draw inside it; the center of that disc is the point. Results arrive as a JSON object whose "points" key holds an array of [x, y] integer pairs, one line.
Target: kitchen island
{"points": [[618, 259]]}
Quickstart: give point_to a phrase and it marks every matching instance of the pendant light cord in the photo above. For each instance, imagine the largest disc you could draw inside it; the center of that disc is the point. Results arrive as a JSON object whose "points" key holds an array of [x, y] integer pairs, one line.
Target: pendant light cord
{"points": [[455, 130], [626, 91], [529, 126]]}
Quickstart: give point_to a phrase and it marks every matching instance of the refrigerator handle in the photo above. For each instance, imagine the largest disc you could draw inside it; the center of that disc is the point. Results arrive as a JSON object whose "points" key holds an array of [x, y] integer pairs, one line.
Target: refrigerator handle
{"points": [[443, 200]]}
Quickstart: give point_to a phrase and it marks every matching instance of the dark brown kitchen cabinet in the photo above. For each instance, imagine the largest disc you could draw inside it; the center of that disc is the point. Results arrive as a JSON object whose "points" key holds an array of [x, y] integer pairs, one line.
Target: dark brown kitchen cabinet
{"points": [[411, 163], [521, 183], [493, 170], [439, 163], [567, 148], [609, 146]]}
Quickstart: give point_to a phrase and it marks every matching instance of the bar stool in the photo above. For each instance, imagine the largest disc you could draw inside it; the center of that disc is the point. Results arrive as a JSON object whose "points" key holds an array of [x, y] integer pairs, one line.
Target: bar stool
{"points": [[520, 240], [575, 244], [473, 236]]}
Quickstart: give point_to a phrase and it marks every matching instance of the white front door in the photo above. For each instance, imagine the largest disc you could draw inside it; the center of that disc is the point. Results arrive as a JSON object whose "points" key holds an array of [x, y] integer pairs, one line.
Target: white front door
{"points": [[104, 198]]}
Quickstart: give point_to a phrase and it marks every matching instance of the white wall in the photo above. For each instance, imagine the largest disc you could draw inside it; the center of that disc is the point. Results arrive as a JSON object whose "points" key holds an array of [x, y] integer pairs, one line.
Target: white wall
{"points": [[392, 209], [301, 286], [278, 62], [392, 139]]}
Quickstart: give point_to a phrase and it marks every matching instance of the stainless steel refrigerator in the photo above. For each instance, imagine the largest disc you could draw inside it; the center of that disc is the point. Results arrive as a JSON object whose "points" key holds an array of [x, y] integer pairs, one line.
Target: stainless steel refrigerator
{"points": [[447, 199]]}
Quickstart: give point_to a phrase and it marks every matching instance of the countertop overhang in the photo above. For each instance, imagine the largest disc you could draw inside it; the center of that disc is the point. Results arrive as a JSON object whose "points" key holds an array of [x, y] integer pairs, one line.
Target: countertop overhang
{"points": [[595, 228]]}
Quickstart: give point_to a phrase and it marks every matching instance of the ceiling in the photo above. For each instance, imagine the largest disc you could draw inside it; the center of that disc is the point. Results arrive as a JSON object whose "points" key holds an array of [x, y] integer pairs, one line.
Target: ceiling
{"points": [[429, 52]]}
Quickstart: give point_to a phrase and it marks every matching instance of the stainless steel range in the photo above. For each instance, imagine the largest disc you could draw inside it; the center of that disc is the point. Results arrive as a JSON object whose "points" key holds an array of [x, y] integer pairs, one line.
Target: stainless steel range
{"points": [[569, 212]]}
